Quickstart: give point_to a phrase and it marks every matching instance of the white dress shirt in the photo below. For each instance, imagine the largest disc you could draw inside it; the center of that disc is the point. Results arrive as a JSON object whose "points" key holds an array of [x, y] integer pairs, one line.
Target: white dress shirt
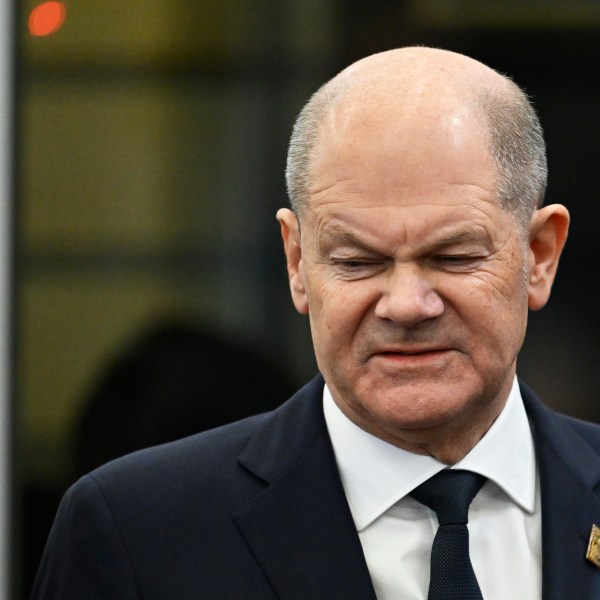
{"points": [[396, 531]]}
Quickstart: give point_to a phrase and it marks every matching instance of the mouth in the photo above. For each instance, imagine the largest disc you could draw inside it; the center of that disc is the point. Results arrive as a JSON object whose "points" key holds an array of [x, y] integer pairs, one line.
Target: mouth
{"points": [[414, 351], [412, 356]]}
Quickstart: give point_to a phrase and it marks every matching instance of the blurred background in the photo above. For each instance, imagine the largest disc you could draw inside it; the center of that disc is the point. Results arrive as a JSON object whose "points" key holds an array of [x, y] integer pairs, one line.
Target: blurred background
{"points": [[151, 294]]}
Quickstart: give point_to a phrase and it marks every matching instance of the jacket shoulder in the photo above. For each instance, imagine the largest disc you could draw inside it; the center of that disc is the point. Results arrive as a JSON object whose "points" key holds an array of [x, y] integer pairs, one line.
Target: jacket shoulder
{"points": [[211, 465], [201, 452]]}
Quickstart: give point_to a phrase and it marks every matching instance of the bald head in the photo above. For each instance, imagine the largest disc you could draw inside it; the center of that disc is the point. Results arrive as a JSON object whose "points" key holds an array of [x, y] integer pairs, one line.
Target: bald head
{"points": [[425, 91], [415, 74]]}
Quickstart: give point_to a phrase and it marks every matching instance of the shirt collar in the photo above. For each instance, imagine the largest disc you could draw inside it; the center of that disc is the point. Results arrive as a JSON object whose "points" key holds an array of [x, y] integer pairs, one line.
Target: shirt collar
{"points": [[376, 474]]}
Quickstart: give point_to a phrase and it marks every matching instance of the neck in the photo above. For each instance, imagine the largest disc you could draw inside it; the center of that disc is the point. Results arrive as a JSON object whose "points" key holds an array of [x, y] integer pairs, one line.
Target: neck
{"points": [[448, 442]]}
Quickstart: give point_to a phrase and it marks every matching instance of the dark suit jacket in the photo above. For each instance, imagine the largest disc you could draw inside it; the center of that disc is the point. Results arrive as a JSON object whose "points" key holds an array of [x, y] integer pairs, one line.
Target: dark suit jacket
{"points": [[256, 510]]}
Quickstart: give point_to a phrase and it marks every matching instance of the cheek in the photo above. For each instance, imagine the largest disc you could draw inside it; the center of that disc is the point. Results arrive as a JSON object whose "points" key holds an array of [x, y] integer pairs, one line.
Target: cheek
{"points": [[493, 308], [497, 318], [502, 289], [337, 310]]}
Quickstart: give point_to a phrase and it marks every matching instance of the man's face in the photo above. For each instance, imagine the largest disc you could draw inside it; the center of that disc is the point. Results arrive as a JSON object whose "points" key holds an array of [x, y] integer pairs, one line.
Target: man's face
{"points": [[413, 276]]}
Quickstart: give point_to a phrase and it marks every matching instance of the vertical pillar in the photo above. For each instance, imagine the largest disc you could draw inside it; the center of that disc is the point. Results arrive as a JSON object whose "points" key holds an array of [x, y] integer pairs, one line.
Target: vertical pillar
{"points": [[7, 61]]}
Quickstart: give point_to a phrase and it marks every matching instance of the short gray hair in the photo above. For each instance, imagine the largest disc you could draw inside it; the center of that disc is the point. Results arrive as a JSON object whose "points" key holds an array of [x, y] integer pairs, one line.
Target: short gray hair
{"points": [[516, 145], [517, 148], [305, 137]]}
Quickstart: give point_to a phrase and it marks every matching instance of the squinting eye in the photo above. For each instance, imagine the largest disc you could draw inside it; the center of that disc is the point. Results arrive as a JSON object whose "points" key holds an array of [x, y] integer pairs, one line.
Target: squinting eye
{"points": [[457, 260], [354, 269], [453, 258], [352, 264]]}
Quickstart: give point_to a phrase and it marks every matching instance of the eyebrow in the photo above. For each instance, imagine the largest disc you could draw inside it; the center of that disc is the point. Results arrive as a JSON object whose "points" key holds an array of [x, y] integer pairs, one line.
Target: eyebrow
{"points": [[460, 237], [337, 235], [342, 236]]}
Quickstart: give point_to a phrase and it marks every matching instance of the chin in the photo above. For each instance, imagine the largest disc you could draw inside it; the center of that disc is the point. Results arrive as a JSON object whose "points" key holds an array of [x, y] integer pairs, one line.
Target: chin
{"points": [[424, 410]]}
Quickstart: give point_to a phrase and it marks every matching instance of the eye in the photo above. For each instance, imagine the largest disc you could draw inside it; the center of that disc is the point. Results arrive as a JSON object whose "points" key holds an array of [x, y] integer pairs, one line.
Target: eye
{"points": [[356, 268], [351, 264], [454, 258], [457, 261]]}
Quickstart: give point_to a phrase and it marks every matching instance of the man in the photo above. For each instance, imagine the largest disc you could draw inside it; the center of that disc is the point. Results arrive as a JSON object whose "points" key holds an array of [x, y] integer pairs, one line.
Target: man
{"points": [[416, 244]]}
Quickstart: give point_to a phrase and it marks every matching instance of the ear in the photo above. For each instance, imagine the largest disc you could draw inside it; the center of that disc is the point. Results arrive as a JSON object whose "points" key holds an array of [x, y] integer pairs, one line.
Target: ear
{"points": [[547, 237], [290, 232]]}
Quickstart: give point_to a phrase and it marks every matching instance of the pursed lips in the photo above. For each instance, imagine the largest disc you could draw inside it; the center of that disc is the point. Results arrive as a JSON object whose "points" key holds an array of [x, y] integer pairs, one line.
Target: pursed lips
{"points": [[410, 351], [411, 356]]}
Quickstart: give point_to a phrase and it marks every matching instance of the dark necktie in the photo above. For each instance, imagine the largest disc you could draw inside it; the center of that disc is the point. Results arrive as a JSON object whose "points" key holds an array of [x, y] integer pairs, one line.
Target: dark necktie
{"points": [[449, 494]]}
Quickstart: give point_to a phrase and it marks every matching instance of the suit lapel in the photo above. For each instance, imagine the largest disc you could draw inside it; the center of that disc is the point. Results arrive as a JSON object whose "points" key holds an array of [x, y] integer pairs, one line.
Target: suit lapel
{"points": [[300, 528], [569, 471]]}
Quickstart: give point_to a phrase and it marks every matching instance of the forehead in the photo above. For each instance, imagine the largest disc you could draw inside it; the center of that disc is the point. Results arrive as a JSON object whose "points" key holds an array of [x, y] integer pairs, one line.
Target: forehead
{"points": [[372, 154]]}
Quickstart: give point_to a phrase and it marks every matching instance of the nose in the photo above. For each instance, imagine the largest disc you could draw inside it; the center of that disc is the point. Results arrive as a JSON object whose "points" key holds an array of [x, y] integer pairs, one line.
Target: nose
{"points": [[408, 297]]}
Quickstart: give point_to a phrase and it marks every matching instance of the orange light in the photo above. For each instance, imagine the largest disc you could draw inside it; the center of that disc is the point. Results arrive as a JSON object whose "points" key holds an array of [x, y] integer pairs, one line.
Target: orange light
{"points": [[47, 18]]}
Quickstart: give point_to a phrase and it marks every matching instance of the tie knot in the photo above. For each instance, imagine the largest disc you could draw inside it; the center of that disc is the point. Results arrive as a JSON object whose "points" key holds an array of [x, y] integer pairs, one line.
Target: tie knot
{"points": [[449, 493]]}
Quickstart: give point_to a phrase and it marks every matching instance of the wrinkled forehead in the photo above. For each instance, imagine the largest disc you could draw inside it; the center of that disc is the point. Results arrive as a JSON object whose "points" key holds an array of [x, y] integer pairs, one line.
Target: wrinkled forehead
{"points": [[432, 161]]}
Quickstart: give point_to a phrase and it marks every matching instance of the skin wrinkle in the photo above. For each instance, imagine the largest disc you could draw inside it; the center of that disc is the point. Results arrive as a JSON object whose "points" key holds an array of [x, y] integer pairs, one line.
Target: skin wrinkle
{"points": [[401, 240], [353, 246]]}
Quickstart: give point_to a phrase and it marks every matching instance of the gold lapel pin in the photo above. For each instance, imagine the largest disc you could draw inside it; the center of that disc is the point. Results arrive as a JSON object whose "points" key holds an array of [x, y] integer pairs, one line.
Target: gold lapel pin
{"points": [[593, 549]]}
